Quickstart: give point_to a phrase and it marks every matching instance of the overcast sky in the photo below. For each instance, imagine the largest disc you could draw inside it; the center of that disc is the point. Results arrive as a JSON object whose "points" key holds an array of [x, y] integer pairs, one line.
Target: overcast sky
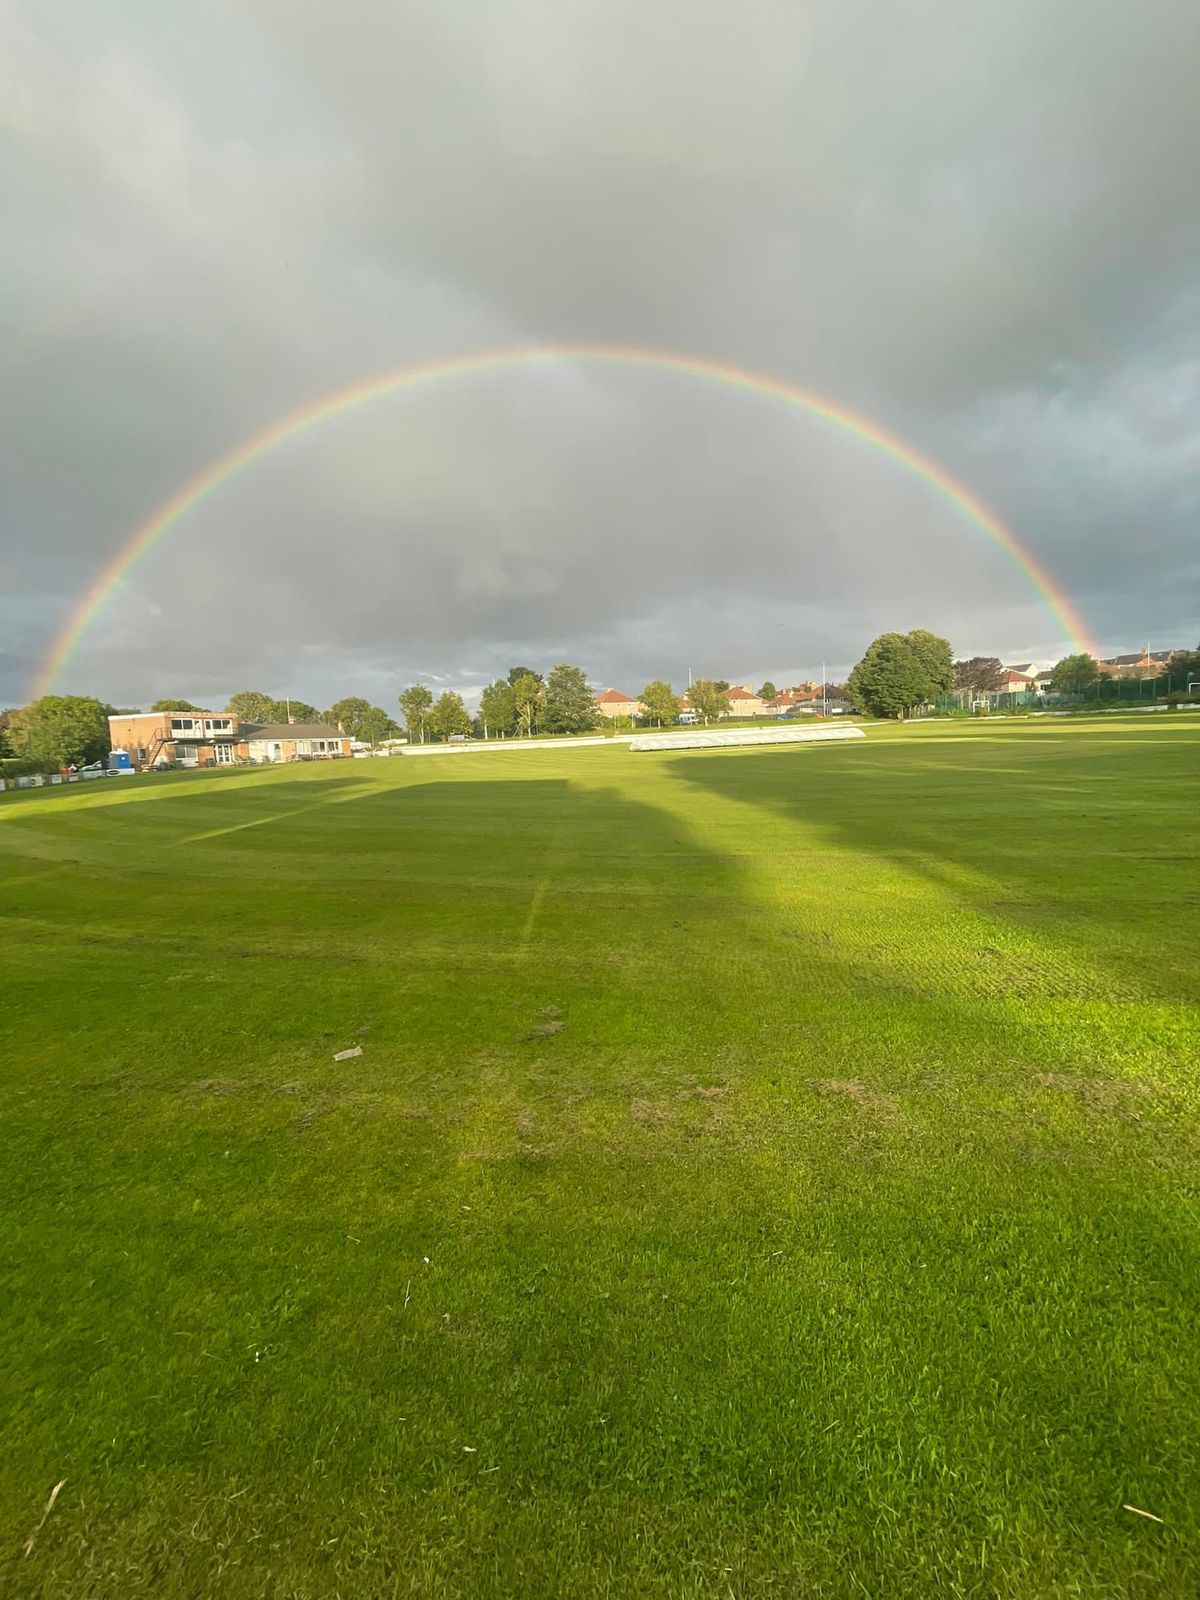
{"points": [[978, 221]]}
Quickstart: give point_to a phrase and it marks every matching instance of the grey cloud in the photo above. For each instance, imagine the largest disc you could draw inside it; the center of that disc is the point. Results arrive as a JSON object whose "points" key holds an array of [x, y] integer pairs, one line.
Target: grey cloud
{"points": [[977, 224]]}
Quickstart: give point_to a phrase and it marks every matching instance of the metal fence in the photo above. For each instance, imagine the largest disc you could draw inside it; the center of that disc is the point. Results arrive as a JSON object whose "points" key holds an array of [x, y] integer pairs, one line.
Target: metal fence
{"points": [[1107, 691]]}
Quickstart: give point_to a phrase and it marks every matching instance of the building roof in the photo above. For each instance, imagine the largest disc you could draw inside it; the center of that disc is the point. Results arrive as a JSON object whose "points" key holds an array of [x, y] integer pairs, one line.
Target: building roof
{"points": [[289, 730], [613, 697], [1137, 658], [742, 691]]}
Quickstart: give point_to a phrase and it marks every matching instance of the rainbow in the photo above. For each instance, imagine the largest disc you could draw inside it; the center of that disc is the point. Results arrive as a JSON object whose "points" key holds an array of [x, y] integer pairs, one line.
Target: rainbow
{"points": [[220, 472]]}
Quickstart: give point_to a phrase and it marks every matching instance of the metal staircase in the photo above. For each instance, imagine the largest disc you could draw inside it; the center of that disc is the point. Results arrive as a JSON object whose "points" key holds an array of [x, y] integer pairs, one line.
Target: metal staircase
{"points": [[152, 754]]}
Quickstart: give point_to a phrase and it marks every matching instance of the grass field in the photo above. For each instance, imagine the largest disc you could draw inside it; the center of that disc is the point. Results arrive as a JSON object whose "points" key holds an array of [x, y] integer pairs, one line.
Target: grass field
{"points": [[766, 1174]]}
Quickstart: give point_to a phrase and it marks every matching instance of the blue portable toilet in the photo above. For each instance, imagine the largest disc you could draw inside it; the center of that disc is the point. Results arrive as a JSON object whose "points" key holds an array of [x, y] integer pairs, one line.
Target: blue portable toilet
{"points": [[119, 761]]}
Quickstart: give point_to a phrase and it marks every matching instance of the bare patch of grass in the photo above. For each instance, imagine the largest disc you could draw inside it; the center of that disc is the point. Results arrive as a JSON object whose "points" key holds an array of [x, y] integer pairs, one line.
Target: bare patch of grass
{"points": [[876, 1103], [213, 1088], [1098, 1096], [651, 1113]]}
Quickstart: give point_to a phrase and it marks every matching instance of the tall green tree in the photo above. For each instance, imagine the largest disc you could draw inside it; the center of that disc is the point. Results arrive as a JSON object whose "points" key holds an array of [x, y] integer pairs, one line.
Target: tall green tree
{"points": [[249, 705], [522, 672], [890, 679], [719, 683], [528, 697], [293, 711], [497, 708], [175, 705], [415, 706], [768, 692], [60, 729], [350, 713], [1185, 665], [979, 674], [936, 659], [374, 726], [661, 701], [1074, 674], [709, 700], [570, 704], [450, 715]]}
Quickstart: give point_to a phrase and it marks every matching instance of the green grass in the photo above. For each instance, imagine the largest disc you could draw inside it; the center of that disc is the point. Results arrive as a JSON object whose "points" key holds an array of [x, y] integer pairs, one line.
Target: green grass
{"points": [[768, 1173]]}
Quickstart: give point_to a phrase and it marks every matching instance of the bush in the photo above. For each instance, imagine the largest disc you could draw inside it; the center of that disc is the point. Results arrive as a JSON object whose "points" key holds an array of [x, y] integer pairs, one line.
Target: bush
{"points": [[21, 766]]}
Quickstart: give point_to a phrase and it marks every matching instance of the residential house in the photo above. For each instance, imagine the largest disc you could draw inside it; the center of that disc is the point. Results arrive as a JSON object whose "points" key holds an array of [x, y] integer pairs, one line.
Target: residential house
{"points": [[1145, 663], [744, 702], [613, 704], [1014, 681]]}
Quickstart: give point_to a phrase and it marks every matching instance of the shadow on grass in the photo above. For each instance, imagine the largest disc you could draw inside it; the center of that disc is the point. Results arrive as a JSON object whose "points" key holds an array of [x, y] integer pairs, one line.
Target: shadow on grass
{"points": [[1087, 845], [537, 1312]]}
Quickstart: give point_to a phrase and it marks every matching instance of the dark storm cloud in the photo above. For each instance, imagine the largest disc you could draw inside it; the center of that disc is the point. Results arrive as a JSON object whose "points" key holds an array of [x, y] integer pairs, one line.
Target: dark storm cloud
{"points": [[978, 224]]}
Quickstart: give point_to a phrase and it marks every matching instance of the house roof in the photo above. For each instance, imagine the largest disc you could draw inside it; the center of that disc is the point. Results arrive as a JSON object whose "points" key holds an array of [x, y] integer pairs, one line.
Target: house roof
{"points": [[742, 691], [289, 730], [1010, 673], [1137, 657], [613, 697]]}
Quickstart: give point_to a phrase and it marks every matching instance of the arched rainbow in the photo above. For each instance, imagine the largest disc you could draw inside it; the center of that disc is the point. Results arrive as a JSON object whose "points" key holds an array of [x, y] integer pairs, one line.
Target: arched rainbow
{"points": [[362, 394]]}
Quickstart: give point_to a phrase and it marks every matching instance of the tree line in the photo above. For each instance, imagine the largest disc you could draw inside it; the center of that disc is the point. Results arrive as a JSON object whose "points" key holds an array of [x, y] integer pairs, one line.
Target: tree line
{"points": [[901, 671], [898, 673], [520, 705]]}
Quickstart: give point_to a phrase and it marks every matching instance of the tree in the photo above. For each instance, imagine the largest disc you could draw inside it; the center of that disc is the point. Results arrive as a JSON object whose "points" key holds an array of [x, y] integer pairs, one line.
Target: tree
{"points": [[293, 711], [374, 726], [661, 701], [1185, 664], [450, 716], [175, 705], [719, 683], [1074, 674], [709, 699], [498, 708], [981, 674], [890, 679], [528, 697], [768, 692], [248, 705], [522, 672], [60, 729], [936, 659], [415, 705], [570, 703], [349, 714]]}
